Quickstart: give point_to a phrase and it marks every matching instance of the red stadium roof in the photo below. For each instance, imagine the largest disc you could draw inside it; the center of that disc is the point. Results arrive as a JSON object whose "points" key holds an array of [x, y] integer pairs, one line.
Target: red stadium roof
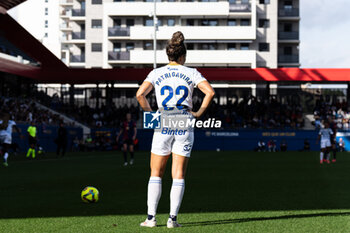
{"points": [[53, 70]]}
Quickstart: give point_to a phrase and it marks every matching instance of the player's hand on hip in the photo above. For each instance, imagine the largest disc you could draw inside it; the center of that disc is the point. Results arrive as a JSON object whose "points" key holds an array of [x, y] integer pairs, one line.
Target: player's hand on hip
{"points": [[194, 114]]}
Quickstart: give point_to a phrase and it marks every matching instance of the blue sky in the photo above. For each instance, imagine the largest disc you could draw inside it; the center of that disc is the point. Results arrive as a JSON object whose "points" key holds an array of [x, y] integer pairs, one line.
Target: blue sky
{"points": [[325, 33]]}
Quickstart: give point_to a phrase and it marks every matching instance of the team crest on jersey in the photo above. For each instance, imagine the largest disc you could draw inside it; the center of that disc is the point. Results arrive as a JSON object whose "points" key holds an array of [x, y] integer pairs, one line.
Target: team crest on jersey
{"points": [[151, 120]]}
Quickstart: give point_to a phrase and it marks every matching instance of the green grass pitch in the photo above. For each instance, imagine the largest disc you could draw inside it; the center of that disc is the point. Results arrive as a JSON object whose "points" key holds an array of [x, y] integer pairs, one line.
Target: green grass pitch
{"points": [[225, 192]]}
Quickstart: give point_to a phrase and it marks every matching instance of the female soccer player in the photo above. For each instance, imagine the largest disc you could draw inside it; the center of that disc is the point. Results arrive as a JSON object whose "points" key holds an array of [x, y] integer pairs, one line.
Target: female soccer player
{"points": [[173, 84]]}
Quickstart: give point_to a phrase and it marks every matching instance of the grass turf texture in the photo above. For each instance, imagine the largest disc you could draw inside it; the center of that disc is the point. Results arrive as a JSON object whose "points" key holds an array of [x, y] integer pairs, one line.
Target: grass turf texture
{"points": [[225, 192]]}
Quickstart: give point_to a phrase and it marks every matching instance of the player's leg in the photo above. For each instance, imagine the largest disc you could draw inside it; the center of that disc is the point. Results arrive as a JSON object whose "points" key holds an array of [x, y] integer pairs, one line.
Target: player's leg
{"points": [[334, 150], [131, 151], [161, 149], [181, 150], [30, 142], [179, 166], [5, 149], [154, 192], [125, 151]]}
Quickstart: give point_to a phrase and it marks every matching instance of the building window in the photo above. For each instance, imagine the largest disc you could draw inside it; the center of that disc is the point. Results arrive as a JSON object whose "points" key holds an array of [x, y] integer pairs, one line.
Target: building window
{"points": [[46, 35], [264, 1], [117, 47], [117, 0], [129, 46], [287, 50], [190, 22], [96, 23], [190, 46], [148, 46], [287, 27], [46, 0], [208, 46], [130, 22], [117, 22], [96, 47], [244, 46], [96, 2], [171, 22], [231, 46], [46, 23], [245, 22], [232, 1], [231, 22], [244, 1], [148, 22], [46, 11], [264, 23], [264, 47], [209, 22]]}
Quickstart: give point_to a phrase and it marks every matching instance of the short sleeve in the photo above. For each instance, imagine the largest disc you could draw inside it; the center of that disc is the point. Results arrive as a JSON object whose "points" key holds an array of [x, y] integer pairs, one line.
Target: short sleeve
{"points": [[198, 77], [150, 77]]}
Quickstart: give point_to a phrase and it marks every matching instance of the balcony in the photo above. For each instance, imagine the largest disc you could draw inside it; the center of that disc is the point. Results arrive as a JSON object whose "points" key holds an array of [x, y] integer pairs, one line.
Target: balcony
{"points": [[78, 35], [288, 12], [206, 57], [66, 13], [78, 12], [196, 32], [119, 31], [65, 27], [288, 59], [118, 56], [288, 35], [66, 2], [243, 7], [77, 58], [201, 9]]}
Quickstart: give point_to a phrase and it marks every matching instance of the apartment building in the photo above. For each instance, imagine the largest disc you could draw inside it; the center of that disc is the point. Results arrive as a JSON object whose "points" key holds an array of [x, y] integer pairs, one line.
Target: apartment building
{"points": [[234, 33]]}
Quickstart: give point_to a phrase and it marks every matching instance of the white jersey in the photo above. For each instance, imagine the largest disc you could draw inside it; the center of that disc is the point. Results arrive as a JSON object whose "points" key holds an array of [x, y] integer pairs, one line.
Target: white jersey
{"points": [[8, 130], [174, 85], [326, 133]]}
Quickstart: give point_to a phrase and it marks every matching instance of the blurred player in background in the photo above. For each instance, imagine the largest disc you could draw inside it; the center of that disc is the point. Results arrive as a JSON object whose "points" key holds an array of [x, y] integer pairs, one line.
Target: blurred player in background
{"points": [[6, 128], [325, 135], [172, 92], [61, 140], [32, 139], [333, 127], [128, 132], [341, 145]]}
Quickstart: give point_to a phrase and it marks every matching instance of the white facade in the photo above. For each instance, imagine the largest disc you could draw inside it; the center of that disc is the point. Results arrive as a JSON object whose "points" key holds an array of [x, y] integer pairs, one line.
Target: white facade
{"points": [[235, 33], [41, 19], [119, 33]]}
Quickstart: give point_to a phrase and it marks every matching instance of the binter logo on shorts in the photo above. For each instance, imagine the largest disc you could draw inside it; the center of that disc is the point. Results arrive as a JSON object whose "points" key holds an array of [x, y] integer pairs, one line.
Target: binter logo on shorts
{"points": [[151, 120]]}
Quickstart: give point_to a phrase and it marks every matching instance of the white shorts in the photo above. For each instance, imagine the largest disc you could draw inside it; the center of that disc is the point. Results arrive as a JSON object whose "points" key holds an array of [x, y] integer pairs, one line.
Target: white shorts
{"points": [[325, 143], [6, 138], [176, 140]]}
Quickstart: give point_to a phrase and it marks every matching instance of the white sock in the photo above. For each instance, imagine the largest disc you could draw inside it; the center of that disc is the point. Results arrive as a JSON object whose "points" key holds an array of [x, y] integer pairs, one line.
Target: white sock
{"points": [[176, 194], [154, 193], [321, 156], [6, 155]]}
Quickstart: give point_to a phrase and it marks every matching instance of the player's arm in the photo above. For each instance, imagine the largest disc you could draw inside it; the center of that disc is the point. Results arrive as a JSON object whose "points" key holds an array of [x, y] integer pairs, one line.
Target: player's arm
{"points": [[141, 94], [209, 92]]}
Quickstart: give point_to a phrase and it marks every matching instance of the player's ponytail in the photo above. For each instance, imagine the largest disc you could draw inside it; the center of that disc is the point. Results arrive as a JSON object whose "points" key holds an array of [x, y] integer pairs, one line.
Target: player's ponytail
{"points": [[176, 46]]}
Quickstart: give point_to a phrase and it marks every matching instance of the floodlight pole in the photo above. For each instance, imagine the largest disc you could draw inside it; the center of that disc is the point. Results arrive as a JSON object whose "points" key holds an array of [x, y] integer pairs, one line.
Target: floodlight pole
{"points": [[155, 23]]}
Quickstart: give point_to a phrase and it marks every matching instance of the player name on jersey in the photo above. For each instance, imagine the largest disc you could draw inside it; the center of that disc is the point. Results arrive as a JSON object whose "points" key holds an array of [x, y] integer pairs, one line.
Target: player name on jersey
{"points": [[173, 74]]}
